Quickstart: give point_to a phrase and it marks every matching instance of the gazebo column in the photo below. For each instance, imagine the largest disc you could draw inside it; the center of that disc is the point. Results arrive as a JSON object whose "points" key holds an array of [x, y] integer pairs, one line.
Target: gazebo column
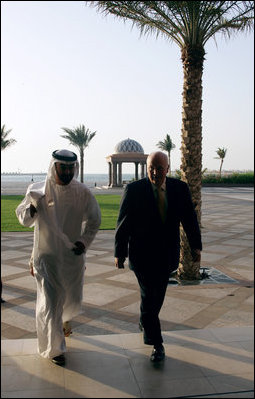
{"points": [[120, 174], [142, 170], [114, 175], [115, 162], [136, 170], [110, 174]]}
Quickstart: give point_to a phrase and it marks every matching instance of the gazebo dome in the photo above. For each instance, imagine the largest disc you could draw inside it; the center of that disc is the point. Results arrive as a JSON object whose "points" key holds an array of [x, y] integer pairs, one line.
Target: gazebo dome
{"points": [[128, 145], [126, 151]]}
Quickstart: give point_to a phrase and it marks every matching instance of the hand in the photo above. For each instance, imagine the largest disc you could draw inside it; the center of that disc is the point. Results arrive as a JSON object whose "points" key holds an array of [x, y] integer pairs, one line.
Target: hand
{"points": [[119, 262], [79, 249], [196, 255], [33, 210]]}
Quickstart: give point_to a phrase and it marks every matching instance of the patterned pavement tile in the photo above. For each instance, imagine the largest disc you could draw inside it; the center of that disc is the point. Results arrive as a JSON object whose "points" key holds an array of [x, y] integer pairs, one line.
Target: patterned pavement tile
{"points": [[111, 297]]}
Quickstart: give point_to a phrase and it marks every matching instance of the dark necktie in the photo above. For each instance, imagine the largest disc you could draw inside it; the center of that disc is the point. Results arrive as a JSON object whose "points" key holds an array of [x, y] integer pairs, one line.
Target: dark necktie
{"points": [[161, 203]]}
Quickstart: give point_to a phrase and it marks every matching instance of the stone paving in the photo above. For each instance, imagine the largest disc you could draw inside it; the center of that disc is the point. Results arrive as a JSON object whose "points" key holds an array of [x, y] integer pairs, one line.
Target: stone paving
{"points": [[111, 300], [111, 296]]}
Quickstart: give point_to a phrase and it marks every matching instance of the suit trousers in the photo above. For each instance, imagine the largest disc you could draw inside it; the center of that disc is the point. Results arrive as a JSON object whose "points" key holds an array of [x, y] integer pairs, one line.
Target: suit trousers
{"points": [[153, 290]]}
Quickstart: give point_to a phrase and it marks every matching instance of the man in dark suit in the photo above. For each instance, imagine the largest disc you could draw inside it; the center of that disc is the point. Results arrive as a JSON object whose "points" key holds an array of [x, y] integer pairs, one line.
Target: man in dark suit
{"points": [[148, 234]]}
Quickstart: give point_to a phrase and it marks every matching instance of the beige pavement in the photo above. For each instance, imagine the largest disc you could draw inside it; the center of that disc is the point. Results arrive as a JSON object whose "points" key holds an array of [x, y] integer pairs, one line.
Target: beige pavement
{"points": [[207, 326]]}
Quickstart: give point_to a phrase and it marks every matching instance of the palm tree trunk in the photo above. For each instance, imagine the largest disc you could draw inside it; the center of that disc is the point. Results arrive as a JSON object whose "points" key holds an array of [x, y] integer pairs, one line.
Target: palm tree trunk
{"points": [[169, 161], [82, 164], [221, 163], [191, 147]]}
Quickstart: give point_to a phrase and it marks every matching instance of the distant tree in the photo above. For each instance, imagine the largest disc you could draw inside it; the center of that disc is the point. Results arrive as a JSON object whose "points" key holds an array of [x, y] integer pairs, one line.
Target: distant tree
{"points": [[221, 152], [167, 145], [4, 141], [79, 137], [204, 171]]}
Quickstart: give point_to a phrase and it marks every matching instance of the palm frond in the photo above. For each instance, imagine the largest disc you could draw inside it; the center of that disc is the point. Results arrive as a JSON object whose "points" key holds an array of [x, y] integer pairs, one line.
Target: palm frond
{"points": [[4, 141], [167, 144], [184, 22], [221, 152], [79, 137]]}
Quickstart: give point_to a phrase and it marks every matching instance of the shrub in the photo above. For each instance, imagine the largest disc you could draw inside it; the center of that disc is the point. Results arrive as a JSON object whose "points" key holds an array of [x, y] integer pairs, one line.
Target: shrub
{"points": [[234, 178]]}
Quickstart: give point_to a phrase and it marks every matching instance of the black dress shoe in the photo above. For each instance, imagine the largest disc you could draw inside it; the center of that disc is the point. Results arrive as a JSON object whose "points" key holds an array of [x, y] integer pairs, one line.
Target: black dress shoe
{"points": [[59, 360], [158, 354]]}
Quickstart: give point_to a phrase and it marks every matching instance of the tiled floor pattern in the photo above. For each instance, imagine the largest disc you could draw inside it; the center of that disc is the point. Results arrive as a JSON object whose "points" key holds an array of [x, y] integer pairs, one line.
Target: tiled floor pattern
{"points": [[215, 362], [111, 296], [110, 312]]}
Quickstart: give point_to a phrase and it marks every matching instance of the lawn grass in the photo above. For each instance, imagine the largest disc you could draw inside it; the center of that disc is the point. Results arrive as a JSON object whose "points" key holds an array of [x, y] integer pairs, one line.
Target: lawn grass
{"points": [[109, 205]]}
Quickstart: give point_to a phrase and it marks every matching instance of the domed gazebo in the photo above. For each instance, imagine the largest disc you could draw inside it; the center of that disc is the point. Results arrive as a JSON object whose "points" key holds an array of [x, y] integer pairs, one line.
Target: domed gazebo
{"points": [[125, 151]]}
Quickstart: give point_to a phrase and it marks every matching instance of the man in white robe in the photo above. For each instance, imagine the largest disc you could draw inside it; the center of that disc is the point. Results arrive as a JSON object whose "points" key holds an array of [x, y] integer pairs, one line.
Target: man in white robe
{"points": [[66, 218]]}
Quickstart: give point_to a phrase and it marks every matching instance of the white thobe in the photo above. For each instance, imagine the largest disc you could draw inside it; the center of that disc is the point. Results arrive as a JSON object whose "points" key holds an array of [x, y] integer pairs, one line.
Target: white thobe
{"points": [[65, 214]]}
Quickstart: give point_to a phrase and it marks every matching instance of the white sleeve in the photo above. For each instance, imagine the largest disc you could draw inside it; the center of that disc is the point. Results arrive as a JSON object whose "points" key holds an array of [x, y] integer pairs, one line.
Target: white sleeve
{"points": [[23, 212], [91, 221]]}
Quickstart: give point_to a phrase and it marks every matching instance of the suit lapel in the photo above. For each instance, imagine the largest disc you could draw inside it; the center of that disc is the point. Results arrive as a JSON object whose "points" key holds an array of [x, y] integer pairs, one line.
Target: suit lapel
{"points": [[170, 198]]}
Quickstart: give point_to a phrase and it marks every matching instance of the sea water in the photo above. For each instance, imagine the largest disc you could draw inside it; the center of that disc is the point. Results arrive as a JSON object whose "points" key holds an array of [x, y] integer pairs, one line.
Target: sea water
{"points": [[90, 179]]}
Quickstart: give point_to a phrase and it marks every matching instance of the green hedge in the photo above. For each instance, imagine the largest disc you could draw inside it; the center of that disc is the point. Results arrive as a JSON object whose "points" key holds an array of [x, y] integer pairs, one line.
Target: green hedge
{"points": [[234, 178]]}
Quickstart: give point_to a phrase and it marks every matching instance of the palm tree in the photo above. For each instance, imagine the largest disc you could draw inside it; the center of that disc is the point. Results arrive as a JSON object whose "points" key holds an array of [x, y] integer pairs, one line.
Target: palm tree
{"points": [[221, 152], [4, 141], [189, 24], [80, 138], [167, 145]]}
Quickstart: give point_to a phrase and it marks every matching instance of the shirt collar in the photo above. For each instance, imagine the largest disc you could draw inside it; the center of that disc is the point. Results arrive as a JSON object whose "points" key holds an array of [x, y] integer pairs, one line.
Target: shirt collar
{"points": [[163, 187]]}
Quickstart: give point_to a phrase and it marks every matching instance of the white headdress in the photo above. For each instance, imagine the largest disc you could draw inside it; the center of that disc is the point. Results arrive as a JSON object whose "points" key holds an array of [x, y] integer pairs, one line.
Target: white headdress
{"points": [[46, 188], [62, 156]]}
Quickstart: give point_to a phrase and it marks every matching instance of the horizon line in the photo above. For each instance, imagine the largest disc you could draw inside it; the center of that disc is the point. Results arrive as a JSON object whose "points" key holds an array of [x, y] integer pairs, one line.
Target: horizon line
{"points": [[127, 173]]}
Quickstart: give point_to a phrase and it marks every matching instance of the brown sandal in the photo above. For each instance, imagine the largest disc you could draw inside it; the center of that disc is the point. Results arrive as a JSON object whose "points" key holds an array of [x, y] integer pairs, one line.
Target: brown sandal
{"points": [[67, 328]]}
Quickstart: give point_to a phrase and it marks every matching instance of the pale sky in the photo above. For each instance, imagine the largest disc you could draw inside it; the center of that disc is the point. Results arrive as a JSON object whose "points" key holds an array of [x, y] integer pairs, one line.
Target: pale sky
{"points": [[64, 64]]}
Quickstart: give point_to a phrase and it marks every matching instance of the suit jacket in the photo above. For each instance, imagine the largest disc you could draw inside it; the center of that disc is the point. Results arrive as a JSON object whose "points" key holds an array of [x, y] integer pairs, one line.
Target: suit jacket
{"points": [[140, 234]]}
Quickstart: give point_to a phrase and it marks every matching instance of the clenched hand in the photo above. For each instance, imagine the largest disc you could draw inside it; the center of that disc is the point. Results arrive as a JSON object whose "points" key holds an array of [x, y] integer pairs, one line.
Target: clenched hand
{"points": [[79, 248]]}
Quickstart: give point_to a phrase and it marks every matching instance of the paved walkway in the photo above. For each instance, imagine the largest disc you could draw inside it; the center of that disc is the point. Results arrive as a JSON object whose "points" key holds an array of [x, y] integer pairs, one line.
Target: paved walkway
{"points": [[207, 327]]}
